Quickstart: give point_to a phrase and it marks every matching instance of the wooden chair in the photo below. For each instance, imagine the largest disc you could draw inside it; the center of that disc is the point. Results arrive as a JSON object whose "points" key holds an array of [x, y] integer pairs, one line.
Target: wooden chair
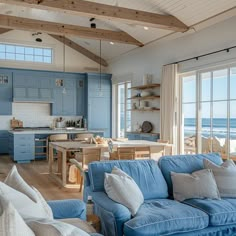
{"points": [[57, 155], [123, 153], [142, 153], [82, 137], [83, 158], [126, 153]]}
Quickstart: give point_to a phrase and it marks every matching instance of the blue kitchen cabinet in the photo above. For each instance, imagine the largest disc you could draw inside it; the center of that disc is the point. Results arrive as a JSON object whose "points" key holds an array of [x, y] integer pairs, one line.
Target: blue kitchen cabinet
{"points": [[32, 86], [4, 141], [21, 147], [5, 92], [99, 102], [64, 102], [80, 94], [142, 136]]}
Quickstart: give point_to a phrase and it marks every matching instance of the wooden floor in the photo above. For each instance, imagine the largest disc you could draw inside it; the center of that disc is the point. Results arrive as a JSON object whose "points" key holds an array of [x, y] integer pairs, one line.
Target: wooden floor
{"points": [[36, 174]]}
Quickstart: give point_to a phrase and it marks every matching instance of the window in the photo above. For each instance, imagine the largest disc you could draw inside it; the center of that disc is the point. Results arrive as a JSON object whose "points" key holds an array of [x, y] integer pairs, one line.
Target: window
{"points": [[208, 111], [15, 52], [123, 109]]}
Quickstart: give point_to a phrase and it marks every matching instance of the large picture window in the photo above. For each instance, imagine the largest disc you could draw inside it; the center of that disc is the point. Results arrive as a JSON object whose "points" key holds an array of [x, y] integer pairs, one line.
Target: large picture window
{"points": [[13, 52], [209, 111]]}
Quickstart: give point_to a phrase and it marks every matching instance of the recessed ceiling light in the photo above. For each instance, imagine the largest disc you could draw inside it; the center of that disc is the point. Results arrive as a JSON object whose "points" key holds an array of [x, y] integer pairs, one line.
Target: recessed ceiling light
{"points": [[111, 43], [145, 27]]}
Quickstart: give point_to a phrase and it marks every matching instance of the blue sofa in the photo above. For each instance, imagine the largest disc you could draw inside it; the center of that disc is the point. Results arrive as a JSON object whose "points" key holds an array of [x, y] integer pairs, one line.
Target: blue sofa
{"points": [[160, 214], [70, 208]]}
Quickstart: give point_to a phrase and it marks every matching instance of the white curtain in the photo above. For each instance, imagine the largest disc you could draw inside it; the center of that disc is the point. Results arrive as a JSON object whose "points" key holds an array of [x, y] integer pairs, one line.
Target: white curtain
{"points": [[169, 100]]}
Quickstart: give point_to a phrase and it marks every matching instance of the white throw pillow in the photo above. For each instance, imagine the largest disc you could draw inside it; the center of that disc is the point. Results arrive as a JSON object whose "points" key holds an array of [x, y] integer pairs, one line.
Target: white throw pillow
{"points": [[121, 188], [11, 223], [28, 201], [225, 176], [199, 184], [43, 227]]}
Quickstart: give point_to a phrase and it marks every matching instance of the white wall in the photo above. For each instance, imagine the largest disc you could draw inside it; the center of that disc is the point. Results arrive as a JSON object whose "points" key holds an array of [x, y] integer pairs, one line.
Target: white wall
{"points": [[74, 61], [151, 58], [32, 115]]}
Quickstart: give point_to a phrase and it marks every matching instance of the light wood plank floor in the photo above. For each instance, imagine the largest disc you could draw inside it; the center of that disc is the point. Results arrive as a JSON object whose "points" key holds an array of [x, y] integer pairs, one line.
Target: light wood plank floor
{"points": [[36, 174]]}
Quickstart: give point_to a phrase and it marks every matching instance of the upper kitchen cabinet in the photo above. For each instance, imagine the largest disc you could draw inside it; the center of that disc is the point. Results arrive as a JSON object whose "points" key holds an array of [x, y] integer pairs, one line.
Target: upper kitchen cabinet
{"points": [[80, 95], [99, 102], [65, 94], [5, 92], [32, 86]]}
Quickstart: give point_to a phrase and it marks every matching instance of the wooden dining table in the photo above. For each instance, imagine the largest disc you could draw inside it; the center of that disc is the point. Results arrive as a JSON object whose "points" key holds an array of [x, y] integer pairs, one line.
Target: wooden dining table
{"points": [[75, 146]]}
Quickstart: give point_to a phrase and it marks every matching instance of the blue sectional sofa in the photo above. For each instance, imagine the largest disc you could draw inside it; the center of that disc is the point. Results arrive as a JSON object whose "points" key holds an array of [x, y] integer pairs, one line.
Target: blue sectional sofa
{"points": [[160, 214]]}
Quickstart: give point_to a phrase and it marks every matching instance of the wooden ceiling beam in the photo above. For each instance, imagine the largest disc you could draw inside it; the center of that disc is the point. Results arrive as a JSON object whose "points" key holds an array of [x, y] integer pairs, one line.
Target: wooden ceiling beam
{"points": [[80, 49], [13, 22], [2, 31], [107, 12]]}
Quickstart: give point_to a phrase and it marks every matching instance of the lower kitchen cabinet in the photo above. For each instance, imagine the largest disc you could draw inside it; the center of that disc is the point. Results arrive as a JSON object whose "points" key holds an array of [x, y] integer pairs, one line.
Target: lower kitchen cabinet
{"points": [[21, 147], [143, 136], [4, 141]]}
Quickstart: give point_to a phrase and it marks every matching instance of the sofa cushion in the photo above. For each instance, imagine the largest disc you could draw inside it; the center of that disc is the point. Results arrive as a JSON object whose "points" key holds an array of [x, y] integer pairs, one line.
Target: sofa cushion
{"points": [[165, 217], [184, 164], [225, 176], [145, 173], [199, 184], [11, 223], [221, 212], [121, 188], [42, 227]]}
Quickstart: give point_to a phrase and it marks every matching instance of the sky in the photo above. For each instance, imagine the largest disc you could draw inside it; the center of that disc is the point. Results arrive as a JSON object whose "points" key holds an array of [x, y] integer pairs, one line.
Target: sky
{"points": [[220, 86]]}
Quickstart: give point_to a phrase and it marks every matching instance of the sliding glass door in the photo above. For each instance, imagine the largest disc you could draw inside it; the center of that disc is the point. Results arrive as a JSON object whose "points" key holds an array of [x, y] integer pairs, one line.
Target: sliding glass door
{"points": [[209, 112]]}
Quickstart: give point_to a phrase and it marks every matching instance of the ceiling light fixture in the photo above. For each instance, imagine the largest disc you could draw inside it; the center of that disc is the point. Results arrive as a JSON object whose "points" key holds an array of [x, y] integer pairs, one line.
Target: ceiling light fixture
{"points": [[111, 43], [146, 28]]}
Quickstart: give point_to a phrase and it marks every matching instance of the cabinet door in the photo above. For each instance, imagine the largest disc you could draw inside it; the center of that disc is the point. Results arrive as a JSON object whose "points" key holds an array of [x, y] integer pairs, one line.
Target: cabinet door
{"points": [[99, 115], [33, 93], [45, 94], [69, 102], [4, 141], [57, 102], [5, 92], [19, 93], [80, 97]]}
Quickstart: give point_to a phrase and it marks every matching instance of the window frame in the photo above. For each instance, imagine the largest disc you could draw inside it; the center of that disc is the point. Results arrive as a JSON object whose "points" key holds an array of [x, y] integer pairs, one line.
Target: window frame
{"points": [[24, 54]]}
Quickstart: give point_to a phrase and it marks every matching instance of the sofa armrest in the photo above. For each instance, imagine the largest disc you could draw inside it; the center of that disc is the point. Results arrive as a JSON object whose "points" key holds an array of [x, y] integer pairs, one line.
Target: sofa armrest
{"points": [[112, 214], [69, 208]]}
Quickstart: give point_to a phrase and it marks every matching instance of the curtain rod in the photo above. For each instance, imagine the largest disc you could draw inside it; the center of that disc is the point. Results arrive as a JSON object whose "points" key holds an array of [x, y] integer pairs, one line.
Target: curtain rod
{"points": [[203, 55]]}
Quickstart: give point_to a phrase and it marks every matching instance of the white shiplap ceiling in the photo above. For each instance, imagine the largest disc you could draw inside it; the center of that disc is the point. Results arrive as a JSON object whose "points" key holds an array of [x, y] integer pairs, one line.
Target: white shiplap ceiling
{"points": [[190, 12]]}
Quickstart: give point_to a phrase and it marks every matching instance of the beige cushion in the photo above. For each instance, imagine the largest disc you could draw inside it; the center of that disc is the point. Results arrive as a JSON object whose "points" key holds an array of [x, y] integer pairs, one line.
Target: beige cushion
{"points": [[225, 176], [11, 223], [44, 227], [121, 188], [199, 184], [28, 201]]}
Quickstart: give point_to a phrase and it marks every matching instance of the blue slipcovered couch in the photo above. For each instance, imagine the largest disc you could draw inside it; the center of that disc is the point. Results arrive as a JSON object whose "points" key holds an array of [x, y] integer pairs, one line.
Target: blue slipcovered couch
{"points": [[69, 208], [160, 214]]}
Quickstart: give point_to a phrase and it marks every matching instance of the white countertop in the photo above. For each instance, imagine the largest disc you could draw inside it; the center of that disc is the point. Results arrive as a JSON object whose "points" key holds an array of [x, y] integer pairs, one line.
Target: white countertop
{"points": [[54, 131]]}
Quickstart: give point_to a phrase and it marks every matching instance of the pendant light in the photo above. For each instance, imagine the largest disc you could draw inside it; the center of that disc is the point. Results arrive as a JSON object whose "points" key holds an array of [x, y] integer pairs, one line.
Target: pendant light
{"points": [[64, 64], [100, 69]]}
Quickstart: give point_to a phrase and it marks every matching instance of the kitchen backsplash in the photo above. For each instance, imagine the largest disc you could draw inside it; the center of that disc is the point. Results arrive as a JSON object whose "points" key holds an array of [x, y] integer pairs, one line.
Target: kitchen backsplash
{"points": [[32, 115]]}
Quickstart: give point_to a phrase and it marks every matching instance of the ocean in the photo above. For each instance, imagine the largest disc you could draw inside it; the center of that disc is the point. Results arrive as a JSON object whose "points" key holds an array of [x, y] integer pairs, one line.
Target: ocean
{"points": [[219, 127]]}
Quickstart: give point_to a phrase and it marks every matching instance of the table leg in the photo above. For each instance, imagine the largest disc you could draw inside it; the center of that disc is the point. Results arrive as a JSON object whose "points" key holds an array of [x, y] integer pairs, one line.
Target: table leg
{"points": [[50, 160], [64, 168]]}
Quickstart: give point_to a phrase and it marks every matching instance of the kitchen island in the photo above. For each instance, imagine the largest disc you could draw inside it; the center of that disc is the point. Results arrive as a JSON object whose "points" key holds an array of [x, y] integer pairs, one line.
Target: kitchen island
{"points": [[31, 144]]}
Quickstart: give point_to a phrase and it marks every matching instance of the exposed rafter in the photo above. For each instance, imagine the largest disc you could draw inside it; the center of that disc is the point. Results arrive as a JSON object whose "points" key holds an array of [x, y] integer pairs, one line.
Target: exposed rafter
{"points": [[80, 49], [13, 22], [2, 31], [102, 11]]}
